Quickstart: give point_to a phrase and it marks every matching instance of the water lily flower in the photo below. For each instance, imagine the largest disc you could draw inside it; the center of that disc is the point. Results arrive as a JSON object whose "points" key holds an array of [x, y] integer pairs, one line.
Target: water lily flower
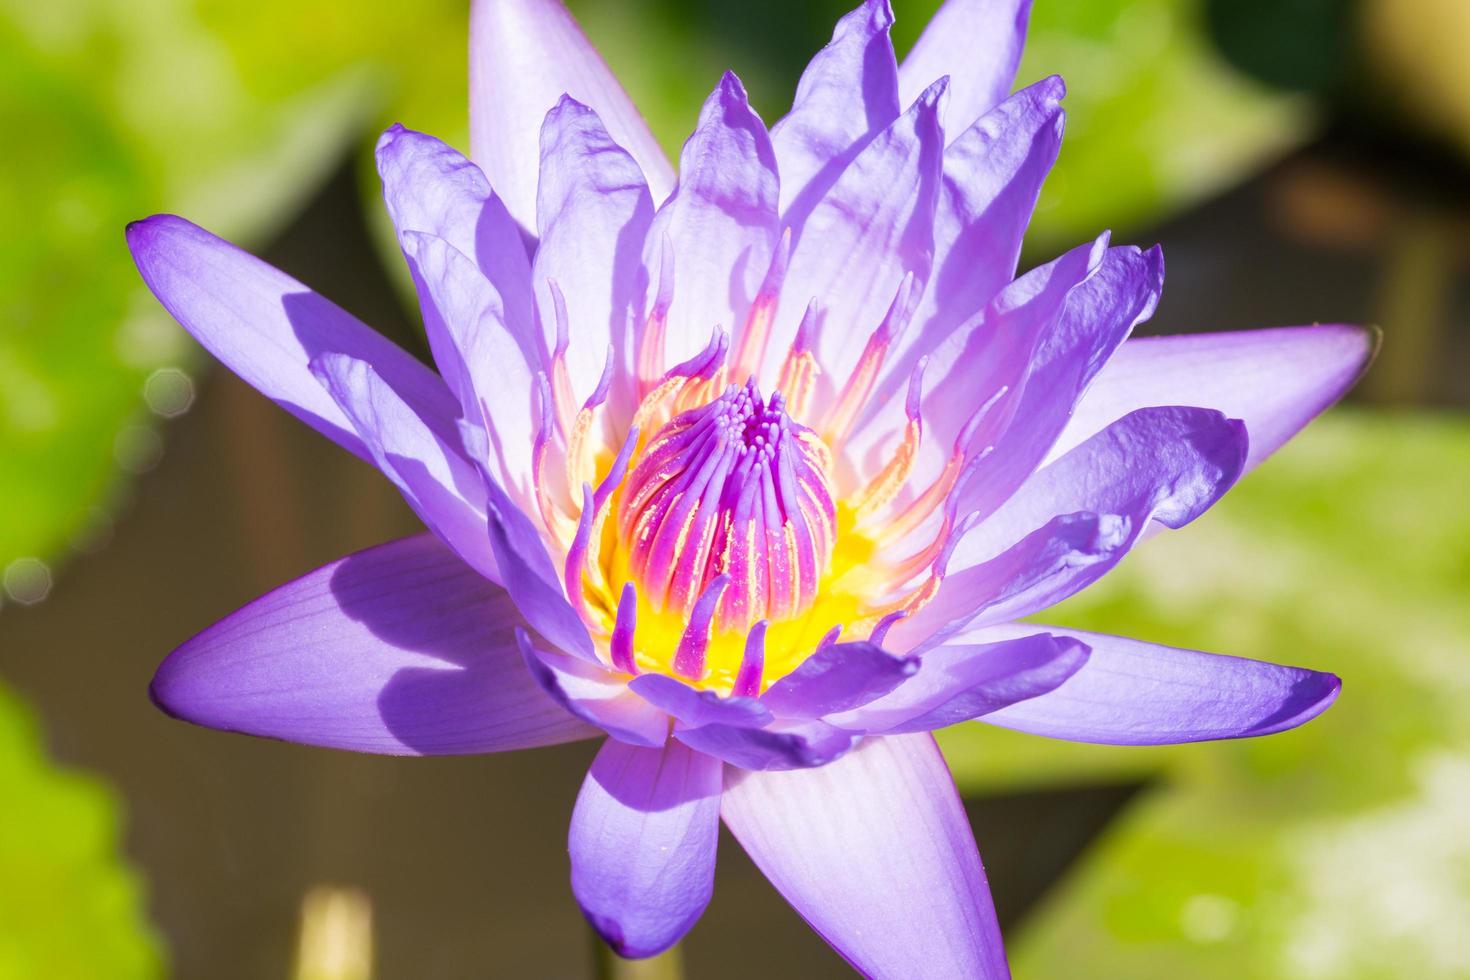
{"points": [[753, 472]]}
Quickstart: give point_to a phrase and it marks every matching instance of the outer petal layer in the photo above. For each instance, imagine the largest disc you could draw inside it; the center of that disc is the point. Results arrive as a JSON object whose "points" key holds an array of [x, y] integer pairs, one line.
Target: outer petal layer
{"points": [[836, 678], [1275, 380], [977, 43], [1135, 693], [266, 327], [1158, 464], [784, 745], [596, 695], [441, 486], [642, 844], [1094, 318], [524, 56], [827, 126], [401, 649], [875, 852], [1168, 464], [967, 680]]}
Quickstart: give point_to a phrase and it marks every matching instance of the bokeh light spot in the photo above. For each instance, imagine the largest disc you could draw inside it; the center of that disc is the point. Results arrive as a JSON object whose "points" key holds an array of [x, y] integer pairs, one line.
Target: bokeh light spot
{"points": [[169, 392], [27, 580]]}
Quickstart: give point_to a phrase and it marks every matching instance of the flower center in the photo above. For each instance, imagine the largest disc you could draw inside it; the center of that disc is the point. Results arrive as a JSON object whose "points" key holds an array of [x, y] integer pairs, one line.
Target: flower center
{"points": [[716, 550], [734, 500]]}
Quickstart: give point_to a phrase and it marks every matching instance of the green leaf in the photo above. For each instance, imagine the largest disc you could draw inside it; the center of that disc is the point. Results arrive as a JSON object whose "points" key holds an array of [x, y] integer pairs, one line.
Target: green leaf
{"points": [[70, 910]]}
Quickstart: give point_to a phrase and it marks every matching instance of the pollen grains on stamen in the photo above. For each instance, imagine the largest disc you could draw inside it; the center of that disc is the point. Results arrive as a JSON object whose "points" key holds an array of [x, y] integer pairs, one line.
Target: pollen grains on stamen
{"points": [[733, 488]]}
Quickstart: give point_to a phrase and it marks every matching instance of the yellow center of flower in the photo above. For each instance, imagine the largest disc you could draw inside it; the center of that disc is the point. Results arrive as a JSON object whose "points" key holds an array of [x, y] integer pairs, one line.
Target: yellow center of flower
{"points": [[714, 545]]}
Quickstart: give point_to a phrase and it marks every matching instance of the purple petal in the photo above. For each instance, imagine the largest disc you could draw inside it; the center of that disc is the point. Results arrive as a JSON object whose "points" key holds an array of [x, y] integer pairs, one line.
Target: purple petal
{"points": [[871, 229], [530, 577], [642, 844], [401, 649], [592, 212], [848, 93], [524, 56], [698, 708], [1135, 693], [1095, 315], [430, 187], [963, 681], [498, 364], [876, 854], [977, 43], [1159, 464], [596, 695], [266, 327], [992, 176], [1276, 380], [1043, 568], [838, 677], [439, 483], [783, 745], [980, 369], [721, 221], [1165, 464]]}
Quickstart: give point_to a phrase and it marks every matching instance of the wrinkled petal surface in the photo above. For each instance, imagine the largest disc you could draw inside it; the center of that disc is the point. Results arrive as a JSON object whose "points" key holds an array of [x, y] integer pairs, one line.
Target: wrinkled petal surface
{"points": [[783, 745], [958, 682], [721, 222], [430, 187], [1043, 568], [836, 678], [1158, 464], [1095, 316], [993, 174], [871, 228], [1168, 464], [977, 43], [524, 56], [876, 853], [496, 363], [593, 210], [697, 708], [847, 93]]}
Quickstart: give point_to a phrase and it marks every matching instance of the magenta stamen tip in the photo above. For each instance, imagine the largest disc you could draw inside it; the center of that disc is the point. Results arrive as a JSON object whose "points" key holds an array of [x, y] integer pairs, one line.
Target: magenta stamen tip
{"points": [[559, 310], [752, 664], [604, 384], [880, 632], [914, 402], [621, 644], [694, 644]]}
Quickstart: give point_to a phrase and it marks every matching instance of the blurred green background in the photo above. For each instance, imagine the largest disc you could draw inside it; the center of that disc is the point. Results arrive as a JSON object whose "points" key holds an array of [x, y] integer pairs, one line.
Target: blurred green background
{"points": [[1299, 160]]}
